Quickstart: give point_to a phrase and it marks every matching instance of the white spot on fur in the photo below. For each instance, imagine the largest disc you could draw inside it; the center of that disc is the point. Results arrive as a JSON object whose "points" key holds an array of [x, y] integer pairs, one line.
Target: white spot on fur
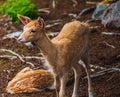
{"points": [[10, 91], [49, 67]]}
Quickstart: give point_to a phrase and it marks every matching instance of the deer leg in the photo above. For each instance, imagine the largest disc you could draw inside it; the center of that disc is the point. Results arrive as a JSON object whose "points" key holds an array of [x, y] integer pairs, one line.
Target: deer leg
{"points": [[76, 83], [86, 66], [90, 90], [56, 84], [63, 81]]}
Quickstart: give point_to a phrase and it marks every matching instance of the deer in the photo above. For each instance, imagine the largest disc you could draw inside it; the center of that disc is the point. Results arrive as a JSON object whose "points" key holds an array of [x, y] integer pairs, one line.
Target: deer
{"points": [[29, 80], [67, 51]]}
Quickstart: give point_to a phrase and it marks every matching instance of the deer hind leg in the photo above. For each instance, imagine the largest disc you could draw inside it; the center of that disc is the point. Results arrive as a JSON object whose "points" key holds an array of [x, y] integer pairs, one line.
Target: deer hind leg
{"points": [[57, 85], [63, 81], [86, 65], [77, 71]]}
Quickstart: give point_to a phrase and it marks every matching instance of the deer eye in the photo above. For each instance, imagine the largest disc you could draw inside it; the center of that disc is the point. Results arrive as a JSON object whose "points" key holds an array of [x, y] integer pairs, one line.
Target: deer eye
{"points": [[33, 31]]}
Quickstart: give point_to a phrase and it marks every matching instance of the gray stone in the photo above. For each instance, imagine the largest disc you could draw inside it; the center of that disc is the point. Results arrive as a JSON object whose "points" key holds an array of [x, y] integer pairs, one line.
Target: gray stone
{"points": [[14, 34], [99, 10], [111, 16]]}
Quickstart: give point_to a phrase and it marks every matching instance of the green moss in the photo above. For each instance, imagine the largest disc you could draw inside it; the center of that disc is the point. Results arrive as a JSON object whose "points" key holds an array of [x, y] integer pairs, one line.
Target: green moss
{"points": [[3, 65], [23, 7], [20, 51]]}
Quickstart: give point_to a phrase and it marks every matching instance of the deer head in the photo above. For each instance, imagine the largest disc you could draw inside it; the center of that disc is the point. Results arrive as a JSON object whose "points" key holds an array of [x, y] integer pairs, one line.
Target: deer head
{"points": [[32, 29]]}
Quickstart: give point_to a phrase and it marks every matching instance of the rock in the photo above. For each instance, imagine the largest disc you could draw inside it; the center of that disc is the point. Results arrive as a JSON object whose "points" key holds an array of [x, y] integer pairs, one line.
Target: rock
{"points": [[14, 34], [111, 16], [99, 10], [28, 44], [28, 80]]}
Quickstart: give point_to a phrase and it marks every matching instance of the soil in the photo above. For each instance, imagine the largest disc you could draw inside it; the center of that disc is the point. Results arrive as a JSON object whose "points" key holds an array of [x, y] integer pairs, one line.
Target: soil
{"points": [[101, 54]]}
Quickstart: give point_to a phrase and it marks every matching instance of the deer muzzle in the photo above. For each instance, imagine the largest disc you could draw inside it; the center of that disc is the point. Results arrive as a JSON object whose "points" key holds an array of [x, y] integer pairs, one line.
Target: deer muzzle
{"points": [[21, 40]]}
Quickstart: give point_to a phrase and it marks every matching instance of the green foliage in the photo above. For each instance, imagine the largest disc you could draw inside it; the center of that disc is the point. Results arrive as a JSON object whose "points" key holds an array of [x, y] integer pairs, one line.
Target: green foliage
{"points": [[23, 7]]}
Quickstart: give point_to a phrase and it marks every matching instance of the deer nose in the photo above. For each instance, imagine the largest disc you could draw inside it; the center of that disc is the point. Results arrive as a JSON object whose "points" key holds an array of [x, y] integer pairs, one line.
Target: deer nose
{"points": [[20, 39]]}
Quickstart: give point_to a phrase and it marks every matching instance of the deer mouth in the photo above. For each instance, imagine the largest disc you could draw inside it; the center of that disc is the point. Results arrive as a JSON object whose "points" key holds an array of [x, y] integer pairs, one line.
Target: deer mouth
{"points": [[21, 40]]}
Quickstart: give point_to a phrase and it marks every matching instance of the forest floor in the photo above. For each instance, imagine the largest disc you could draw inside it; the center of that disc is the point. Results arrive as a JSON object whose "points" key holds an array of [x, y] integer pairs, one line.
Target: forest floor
{"points": [[104, 54]]}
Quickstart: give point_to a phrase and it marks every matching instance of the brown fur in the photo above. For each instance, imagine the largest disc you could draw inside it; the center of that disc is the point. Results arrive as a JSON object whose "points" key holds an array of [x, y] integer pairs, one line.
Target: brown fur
{"points": [[63, 52], [28, 80]]}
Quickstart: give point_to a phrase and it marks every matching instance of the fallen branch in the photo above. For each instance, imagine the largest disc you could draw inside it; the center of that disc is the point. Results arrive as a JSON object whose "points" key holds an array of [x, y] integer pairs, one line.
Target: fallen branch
{"points": [[72, 15], [7, 57], [14, 53], [45, 10], [109, 45], [15, 57], [106, 71], [53, 21], [51, 25], [18, 56], [110, 33], [92, 3], [97, 67], [52, 34], [86, 10], [116, 69]]}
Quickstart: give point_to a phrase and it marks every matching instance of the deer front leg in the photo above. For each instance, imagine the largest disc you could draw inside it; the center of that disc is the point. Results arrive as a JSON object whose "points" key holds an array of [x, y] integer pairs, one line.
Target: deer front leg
{"points": [[57, 85], [63, 81], [86, 65]]}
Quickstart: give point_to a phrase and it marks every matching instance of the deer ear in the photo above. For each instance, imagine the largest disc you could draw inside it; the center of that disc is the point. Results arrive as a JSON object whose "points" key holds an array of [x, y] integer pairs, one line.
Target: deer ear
{"points": [[41, 22], [24, 19]]}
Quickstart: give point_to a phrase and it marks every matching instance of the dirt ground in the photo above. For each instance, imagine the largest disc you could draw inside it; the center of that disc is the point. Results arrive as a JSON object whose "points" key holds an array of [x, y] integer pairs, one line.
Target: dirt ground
{"points": [[104, 52]]}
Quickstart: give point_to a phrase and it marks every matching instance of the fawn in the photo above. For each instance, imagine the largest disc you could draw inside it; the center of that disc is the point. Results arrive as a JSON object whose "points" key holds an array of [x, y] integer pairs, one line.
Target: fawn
{"points": [[29, 80], [62, 53]]}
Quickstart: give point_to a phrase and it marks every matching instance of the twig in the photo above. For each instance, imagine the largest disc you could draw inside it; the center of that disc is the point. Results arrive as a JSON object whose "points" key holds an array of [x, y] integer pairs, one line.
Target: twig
{"points": [[75, 2], [97, 67], [93, 3], [5, 50], [116, 69], [110, 33], [106, 71], [30, 64], [86, 10], [54, 4], [7, 57], [51, 25], [21, 58], [25, 57], [33, 57], [53, 34], [45, 10], [73, 15], [112, 46], [54, 21]]}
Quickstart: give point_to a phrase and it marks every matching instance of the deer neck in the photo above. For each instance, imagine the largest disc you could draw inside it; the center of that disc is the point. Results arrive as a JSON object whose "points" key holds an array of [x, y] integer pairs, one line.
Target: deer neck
{"points": [[46, 46]]}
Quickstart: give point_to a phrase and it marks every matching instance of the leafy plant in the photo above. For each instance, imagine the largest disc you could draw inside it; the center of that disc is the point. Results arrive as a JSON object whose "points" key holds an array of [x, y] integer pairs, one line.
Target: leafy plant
{"points": [[23, 7]]}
